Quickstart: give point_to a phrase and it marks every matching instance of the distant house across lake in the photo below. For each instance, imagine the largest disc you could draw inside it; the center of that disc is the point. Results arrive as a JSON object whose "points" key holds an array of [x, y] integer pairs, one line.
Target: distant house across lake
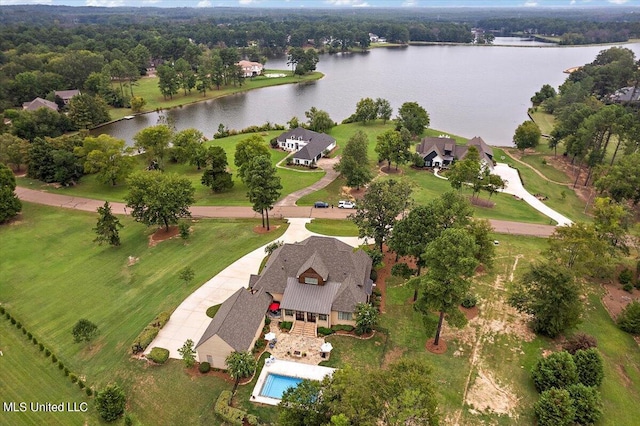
{"points": [[251, 69]]}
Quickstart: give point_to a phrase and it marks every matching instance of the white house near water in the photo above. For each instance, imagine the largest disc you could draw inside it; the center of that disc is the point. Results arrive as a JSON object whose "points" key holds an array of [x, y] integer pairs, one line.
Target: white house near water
{"points": [[309, 146]]}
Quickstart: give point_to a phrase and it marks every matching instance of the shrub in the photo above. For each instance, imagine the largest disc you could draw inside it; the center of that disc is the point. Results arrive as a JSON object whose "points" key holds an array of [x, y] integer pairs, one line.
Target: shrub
{"points": [[252, 420], [470, 300], [286, 325], [24, 330], [128, 421], [579, 341], [274, 142], [629, 319], [29, 336], [41, 347], [184, 230], [73, 378], [162, 319], [587, 403], [18, 325], [558, 370], [88, 391], [342, 327], [267, 321], [373, 275], [628, 287], [60, 365], [554, 408], [144, 339], [229, 414], [401, 270], [590, 367], [47, 352], [625, 277], [66, 371], [2, 311], [324, 331], [159, 355], [81, 384], [13, 321], [204, 367], [417, 160], [54, 358], [110, 403], [34, 340], [7, 315], [260, 344]]}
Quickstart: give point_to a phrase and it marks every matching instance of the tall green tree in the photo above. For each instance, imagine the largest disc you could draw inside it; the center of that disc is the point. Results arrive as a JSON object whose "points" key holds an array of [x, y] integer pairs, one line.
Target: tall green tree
{"points": [[263, 185], [612, 221], [393, 147], [159, 199], [185, 144], [111, 402], [354, 162], [239, 366], [466, 171], [10, 205], [383, 110], [367, 317], [549, 293], [366, 110], [107, 157], [318, 120], [13, 150], [376, 214], [168, 81], [108, 226], [412, 117], [86, 111], [527, 135], [185, 75], [451, 262], [216, 175], [578, 248], [248, 149], [154, 141], [84, 331], [303, 405], [621, 182]]}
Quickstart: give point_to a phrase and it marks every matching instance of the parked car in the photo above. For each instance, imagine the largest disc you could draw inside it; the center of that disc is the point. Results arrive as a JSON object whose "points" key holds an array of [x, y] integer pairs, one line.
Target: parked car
{"points": [[342, 204], [320, 205]]}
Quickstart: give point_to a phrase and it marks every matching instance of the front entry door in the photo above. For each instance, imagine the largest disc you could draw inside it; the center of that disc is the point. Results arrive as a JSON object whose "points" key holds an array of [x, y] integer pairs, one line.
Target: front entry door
{"points": [[311, 317], [299, 316]]}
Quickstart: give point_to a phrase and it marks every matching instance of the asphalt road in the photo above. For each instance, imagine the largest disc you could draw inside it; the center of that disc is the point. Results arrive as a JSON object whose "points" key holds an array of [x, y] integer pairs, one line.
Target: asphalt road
{"points": [[91, 205]]}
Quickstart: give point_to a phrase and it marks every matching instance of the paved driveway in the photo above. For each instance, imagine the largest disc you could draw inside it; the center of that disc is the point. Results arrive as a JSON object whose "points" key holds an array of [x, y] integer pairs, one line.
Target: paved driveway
{"points": [[189, 320], [515, 187]]}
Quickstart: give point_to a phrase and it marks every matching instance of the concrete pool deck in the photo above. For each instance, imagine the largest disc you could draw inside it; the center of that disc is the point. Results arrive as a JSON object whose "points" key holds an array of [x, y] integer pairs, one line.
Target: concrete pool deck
{"points": [[287, 368]]}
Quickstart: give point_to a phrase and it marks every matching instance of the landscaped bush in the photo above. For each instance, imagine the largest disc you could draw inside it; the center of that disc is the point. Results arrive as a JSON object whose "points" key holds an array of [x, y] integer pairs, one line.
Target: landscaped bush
{"points": [[34, 340], [2, 311], [579, 341], [376, 292], [18, 325], [54, 358], [144, 339], [555, 408], [60, 365], [590, 367], [7, 315], [159, 355], [401, 270], [324, 331], [629, 319], [13, 321], [286, 325], [587, 403], [227, 413], [41, 347], [47, 352], [267, 321], [260, 344], [24, 330], [66, 371], [81, 384], [204, 367], [373, 275], [625, 276], [628, 287], [558, 370], [342, 327], [252, 420], [88, 391], [73, 378], [470, 300], [161, 319]]}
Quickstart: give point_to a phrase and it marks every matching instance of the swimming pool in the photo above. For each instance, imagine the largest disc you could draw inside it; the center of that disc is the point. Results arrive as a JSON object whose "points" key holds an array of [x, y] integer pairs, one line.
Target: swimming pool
{"points": [[276, 384]]}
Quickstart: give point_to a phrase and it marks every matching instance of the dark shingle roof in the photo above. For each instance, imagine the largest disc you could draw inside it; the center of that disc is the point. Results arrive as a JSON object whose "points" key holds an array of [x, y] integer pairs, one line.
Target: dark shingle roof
{"points": [[316, 142], [238, 319], [67, 94], [458, 152], [39, 103], [333, 258]]}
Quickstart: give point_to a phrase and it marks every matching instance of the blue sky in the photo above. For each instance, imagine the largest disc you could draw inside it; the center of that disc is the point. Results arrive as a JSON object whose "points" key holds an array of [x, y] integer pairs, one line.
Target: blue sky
{"points": [[333, 3]]}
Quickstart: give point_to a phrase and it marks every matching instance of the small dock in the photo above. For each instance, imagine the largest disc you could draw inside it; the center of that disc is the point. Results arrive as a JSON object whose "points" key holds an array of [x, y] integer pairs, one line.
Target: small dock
{"points": [[570, 70]]}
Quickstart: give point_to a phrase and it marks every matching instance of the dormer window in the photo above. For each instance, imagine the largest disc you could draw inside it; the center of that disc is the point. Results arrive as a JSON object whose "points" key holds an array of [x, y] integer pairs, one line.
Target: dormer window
{"points": [[311, 280]]}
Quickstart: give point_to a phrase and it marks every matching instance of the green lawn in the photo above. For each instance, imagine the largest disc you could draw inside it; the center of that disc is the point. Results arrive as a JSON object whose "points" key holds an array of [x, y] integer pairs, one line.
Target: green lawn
{"points": [[292, 180], [333, 227], [53, 275], [544, 121], [147, 88]]}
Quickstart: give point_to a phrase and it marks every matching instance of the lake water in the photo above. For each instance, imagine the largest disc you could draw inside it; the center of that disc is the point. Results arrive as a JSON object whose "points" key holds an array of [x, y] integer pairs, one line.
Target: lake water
{"points": [[467, 90]]}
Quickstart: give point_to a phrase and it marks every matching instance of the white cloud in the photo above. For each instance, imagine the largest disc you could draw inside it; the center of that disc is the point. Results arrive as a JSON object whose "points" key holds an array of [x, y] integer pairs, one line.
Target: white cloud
{"points": [[618, 1], [363, 4], [151, 1], [204, 3], [354, 3], [409, 3], [105, 3], [530, 3]]}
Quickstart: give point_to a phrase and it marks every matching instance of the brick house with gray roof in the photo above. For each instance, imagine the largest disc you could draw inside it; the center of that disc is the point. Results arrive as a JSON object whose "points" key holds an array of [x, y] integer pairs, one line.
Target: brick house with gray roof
{"points": [[319, 280], [235, 327], [309, 146], [442, 152]]}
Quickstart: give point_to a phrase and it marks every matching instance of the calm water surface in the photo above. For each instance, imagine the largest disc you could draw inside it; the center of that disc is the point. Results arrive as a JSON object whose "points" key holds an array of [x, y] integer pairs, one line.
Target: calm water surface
{"points": [[467, 90]]}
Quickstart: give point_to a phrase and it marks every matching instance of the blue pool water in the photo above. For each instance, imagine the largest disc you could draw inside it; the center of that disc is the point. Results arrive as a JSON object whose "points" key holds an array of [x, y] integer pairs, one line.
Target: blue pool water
{"points": [[275, 385]]}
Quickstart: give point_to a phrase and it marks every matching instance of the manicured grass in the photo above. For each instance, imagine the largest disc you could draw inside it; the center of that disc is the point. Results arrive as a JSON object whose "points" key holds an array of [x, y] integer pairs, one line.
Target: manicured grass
{"points": [[539, 162], [267, 414], [148, 89], [337, 228], [569, 205], [292, 180], [53, 275], [544, 121], [357, 353], [28, 376]]}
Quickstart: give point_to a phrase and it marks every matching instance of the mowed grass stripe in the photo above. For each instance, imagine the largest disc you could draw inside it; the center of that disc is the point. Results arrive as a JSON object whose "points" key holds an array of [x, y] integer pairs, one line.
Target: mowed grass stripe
{"points": [[26, 375]]}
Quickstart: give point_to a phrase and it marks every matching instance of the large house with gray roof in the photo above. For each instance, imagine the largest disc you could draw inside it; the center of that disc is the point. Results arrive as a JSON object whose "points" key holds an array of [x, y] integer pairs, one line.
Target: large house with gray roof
{"points": [[235, 327], [318, 281], [442, 152], [309, 146]]}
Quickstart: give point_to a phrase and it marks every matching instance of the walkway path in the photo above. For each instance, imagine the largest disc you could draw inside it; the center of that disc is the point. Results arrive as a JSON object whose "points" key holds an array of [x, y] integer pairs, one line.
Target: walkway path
{"points": [[189, 320], [514, 187], [536, 171], [89, 205], [330, 175]]}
